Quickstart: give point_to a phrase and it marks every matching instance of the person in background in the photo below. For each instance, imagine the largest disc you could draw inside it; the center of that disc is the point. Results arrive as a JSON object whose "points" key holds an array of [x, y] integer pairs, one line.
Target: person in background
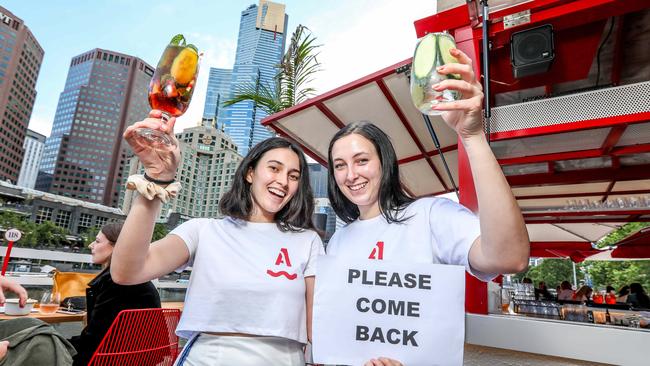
{"points": [[638, 297], [542, 293], [566, 292], [623, 294], [9, 285], [105, 298], [610, 290], [29, 341], [527, 280], [583, 294]]}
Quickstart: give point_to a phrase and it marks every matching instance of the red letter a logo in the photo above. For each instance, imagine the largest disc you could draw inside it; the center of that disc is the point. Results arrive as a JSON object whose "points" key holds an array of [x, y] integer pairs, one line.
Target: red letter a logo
{"points": [[377, 251], [283, 257]]}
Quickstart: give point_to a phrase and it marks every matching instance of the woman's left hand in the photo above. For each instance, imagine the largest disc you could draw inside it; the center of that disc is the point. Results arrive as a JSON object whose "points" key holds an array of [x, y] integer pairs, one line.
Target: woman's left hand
{"points": [[383, 361], [463, 115]]}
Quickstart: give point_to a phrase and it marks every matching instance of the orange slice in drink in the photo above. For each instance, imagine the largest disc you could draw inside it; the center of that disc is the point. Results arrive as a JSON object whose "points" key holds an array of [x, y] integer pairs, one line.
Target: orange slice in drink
{"points": [[184, 66]]}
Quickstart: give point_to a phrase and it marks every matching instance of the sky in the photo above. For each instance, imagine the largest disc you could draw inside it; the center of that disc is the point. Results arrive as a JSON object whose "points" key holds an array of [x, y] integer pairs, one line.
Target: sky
{"points": [[358, 37]]}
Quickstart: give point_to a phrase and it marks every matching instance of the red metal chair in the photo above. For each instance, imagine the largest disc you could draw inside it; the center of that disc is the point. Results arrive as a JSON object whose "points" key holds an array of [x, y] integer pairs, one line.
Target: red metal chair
{"points": [[140, 337]]}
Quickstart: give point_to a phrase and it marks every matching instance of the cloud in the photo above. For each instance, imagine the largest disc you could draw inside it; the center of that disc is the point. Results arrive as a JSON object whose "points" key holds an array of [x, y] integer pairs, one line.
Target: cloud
{"points": [[370, 37], [41, 122], [218, 52]]}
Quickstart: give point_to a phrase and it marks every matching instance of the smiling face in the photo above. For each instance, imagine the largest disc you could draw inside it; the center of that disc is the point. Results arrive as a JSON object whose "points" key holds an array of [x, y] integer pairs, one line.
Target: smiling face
{"points": [[101, 249], [274, 181], [357, 171]]}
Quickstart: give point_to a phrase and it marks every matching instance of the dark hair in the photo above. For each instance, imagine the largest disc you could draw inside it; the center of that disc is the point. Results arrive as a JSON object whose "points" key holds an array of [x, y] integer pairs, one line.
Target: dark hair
{"points": [[392, 195], [565, 285], [636, 288], [112, 232], [625, 290], [609, 289], [296, 215], [527, 280]]}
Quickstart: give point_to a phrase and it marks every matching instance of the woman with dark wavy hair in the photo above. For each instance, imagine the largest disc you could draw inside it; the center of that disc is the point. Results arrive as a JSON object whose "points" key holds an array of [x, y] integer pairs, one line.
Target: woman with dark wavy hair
{"points": [[384, 222], [250, 293]]}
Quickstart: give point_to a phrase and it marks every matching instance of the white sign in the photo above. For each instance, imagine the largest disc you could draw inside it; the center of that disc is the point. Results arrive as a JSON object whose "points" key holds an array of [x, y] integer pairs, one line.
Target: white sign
{"points": [[12, 235], [411, 312]]}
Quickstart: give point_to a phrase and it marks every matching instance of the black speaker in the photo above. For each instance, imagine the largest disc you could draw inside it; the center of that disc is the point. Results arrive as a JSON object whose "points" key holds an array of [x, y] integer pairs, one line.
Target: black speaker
{"points": [[532, 51]]}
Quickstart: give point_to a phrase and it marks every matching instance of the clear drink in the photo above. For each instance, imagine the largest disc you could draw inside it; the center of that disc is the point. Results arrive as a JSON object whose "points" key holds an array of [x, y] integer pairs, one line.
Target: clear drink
{"points": [[431, 52]]}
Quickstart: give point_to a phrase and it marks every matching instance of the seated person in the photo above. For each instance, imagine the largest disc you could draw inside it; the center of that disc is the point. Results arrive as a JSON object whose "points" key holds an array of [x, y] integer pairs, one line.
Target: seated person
{"points": [[29, 341], [566, 292], [638, 298], [105, 299], [542, 292], [623, 293], [583, 294]]}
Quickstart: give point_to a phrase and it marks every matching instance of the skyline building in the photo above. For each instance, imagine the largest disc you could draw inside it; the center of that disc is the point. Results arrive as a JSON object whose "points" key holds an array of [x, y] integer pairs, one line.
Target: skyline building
{"points": [[20, 62], [209, 162], [260, 47], [33, 147], [218, 91], [105, 92], [318, 180]]}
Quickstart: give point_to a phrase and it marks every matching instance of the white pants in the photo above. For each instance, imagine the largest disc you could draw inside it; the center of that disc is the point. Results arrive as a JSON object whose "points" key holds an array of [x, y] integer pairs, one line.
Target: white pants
{"points": [[212, 350]]}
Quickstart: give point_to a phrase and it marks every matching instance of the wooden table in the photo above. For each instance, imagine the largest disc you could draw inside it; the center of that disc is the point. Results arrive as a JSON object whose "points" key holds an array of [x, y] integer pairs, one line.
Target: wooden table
{"points": [[64, 318]]}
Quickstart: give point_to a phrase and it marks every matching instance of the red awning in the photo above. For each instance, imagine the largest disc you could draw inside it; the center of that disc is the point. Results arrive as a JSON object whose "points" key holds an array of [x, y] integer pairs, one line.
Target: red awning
{"points": [[634, 246]]}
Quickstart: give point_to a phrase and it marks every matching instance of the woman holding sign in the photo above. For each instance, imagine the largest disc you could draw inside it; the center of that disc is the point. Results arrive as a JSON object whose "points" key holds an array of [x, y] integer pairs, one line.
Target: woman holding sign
{"points": [[384, 222], [248, 301]]}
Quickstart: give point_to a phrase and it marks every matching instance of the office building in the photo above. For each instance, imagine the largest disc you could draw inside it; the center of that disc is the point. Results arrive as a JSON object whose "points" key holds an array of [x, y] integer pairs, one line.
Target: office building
{"points": [[209, 162], [218, 92], [260, 46], [33, 151], [20, 62], [105, 92]]}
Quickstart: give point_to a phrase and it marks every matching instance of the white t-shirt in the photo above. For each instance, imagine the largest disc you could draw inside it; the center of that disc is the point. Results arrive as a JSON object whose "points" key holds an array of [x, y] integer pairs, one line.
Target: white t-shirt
{"points": [[246, 278], [439, 231]]}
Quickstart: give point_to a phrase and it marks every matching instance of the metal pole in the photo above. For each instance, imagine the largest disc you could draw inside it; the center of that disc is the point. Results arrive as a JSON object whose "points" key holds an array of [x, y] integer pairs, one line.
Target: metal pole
{"points": [[575, 278], [486, 68]]}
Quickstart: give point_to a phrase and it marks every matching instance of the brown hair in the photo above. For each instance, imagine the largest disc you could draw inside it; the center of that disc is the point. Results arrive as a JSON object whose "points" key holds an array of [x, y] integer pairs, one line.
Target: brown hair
{"points": [[112, 232]]}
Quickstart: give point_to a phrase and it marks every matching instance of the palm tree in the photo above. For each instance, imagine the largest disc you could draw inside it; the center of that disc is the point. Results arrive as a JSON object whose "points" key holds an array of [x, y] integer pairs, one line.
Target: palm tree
{"points": [[296, 70]]}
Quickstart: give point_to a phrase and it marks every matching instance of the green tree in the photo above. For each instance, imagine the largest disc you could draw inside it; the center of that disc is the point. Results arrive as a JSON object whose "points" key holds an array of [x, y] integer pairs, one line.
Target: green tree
{"points": [[50, 235], [552, 271], [159, 232], [621, 233], [294, 73], [10, 220]]}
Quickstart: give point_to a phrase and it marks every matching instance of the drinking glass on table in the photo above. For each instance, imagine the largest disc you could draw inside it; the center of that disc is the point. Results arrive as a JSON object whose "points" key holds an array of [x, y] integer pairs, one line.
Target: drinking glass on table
{"points": [[50, 302]]}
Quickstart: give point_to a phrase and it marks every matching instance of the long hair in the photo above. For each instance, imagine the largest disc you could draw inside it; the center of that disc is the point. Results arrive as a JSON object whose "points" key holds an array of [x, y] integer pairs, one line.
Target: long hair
{"points": [[393, 199], [296, 215]]}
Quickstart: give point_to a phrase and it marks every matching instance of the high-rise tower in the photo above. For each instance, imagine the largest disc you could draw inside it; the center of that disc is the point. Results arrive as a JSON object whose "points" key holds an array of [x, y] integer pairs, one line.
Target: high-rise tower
{"points": [[20, 61], [105, 92], [260, 46]]}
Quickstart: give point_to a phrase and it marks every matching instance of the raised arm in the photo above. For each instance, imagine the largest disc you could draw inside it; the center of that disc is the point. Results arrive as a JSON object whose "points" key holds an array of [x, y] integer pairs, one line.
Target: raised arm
{"points": [[503, 246], [135, 259]]}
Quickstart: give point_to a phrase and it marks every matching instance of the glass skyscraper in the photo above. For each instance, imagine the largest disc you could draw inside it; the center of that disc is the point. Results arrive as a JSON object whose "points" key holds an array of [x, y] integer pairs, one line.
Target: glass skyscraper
{"points": [[260, 47], [218, 92], [104, 92]]}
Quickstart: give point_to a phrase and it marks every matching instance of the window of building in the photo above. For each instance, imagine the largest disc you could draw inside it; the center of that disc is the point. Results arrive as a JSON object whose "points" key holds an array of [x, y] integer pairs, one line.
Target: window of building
{"points": [[63, 218], [85, 221], [44, 214], [100, 221]]}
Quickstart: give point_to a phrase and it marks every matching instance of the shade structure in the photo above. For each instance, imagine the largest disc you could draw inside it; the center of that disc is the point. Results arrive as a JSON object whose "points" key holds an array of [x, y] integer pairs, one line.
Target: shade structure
{"points": [[636, 246]]}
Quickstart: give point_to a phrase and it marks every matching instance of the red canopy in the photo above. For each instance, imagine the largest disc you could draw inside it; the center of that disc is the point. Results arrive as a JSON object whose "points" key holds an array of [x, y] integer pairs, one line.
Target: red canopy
{"points": [[634, 246], [577, 251]]}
